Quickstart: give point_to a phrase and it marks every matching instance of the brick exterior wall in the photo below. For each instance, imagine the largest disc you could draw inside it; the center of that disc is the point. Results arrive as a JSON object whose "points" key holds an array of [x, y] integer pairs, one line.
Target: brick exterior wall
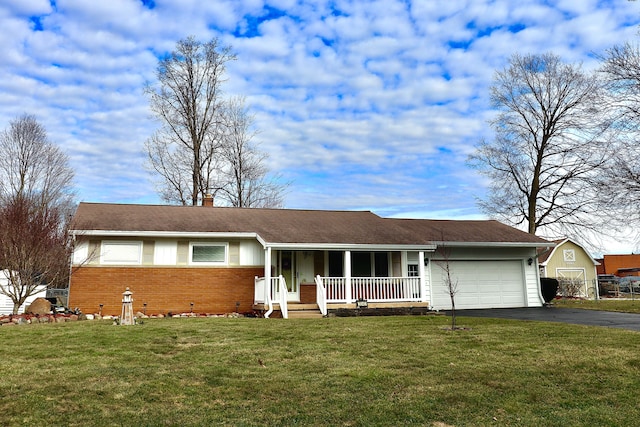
{"points": [[308, 293], [164, 289]]}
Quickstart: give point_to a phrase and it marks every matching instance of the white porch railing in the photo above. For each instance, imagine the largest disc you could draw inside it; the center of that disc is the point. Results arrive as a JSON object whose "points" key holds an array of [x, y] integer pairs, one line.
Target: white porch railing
{"points": [[282, 297], [333, 290], [373, 289], [264, 294], [321, 295]]}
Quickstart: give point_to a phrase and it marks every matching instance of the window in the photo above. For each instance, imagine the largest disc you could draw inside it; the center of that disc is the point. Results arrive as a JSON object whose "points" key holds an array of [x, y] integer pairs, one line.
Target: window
{"points": [[569, 255], [361, 264], [121, 252], [336, 264], [412, 270], [208, 253], [381, 264]]}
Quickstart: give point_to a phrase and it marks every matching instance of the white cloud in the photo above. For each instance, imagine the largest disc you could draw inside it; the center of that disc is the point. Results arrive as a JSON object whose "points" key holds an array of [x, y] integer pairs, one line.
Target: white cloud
{"points": [[365, 105]]}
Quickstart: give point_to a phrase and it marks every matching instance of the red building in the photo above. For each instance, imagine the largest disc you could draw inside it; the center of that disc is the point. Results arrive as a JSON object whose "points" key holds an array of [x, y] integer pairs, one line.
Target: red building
{"points": [[620, 265]]}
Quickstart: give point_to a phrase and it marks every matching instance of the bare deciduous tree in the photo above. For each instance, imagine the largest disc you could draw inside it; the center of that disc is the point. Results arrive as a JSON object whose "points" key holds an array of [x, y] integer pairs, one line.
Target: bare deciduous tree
{"points": [[550, 144], [205, 144], [35, 248], [188, 101], [621, 68], [36, 200], [245, 176], [33, 167]]}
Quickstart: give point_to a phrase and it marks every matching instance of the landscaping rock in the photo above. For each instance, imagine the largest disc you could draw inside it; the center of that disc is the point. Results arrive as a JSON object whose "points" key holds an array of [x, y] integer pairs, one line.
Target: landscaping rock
{"points": [[39, 306]]}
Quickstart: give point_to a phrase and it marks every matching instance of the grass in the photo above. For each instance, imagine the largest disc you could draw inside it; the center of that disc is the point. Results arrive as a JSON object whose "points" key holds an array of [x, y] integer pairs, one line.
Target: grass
{"points": [[605, 304], [363, 371]]}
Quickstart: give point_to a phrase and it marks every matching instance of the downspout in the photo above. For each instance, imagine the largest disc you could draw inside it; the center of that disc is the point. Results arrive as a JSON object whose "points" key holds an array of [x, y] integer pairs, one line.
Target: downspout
{"points": [[538, 284], [70, 270]]}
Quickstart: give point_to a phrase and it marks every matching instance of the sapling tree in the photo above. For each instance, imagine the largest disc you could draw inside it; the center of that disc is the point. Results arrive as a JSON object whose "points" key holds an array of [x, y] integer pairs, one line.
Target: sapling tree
{"points": [[450, 281]]}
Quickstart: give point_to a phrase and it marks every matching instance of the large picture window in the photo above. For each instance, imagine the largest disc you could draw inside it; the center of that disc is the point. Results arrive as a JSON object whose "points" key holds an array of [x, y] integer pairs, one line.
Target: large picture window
{"points": [[208, 253]]}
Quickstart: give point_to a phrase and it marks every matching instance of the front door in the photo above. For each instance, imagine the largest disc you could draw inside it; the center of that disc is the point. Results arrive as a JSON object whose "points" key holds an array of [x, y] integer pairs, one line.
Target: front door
{"points": [[288, 271]]}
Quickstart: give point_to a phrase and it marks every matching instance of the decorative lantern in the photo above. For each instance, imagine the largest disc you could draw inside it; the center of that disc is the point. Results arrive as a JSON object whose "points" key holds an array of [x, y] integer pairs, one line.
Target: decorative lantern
{"points": [[127, 308]]}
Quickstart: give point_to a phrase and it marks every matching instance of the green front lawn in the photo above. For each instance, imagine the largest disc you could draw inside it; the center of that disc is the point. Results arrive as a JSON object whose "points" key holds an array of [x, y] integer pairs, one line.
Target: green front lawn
{"points": [[362, 371], [605, 304]]}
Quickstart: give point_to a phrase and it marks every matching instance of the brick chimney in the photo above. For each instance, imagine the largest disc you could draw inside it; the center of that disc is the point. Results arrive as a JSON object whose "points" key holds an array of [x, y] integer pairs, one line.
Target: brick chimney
{"points": [[207, 201]]}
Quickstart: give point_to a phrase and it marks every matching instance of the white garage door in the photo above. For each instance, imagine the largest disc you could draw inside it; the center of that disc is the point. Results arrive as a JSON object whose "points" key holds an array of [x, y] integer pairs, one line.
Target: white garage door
{"points": [[481, 284]]}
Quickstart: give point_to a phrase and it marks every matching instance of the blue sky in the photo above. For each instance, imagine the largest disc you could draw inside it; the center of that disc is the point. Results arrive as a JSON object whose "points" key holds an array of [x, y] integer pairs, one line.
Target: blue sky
{"points": [[366, 105]]}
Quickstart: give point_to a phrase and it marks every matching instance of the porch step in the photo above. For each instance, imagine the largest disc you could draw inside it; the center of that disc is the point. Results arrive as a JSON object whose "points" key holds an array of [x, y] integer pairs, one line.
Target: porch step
{"points": [[304, 311]]}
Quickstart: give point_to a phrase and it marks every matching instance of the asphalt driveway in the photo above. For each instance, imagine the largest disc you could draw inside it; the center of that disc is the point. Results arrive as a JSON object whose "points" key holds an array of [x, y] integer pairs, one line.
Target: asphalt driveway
{"points": [[563, 315]]}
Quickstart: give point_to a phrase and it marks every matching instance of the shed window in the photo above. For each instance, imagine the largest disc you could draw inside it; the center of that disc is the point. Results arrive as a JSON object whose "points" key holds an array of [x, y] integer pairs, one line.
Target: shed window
{"points": [[569, 255]]}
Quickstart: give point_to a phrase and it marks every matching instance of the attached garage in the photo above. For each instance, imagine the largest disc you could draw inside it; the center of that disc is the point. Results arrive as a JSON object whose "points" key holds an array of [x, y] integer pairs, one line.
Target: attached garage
{"points": [[480, 284]]}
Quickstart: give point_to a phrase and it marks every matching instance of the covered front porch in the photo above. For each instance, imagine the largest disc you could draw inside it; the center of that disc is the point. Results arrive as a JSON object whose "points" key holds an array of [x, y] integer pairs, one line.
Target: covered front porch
{"points": [[325, 280]]}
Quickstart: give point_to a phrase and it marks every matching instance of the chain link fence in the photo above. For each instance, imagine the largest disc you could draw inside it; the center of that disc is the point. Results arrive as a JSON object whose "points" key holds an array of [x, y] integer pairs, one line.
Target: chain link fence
{"points": [[577, 288]]}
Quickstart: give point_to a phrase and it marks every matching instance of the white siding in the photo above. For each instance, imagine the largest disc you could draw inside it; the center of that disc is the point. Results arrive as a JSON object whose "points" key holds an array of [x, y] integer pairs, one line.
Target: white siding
{"points": [[81, 252], [428, 282], [251, 253], [166, 252], [6, 305], [532, 278]]}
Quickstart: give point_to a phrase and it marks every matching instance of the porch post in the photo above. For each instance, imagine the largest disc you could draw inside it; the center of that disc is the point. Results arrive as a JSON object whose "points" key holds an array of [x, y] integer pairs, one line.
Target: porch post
{"points": [[423, 288], [267, 272], [347, 276]]}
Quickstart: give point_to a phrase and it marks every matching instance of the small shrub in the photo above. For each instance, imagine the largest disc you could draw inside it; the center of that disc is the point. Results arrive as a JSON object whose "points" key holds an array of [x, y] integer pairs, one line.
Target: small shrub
{"points": [[549, 287]]}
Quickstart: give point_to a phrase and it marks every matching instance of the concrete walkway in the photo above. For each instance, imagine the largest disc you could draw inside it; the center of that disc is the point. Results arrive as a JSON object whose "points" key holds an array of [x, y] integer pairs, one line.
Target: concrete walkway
{"points": [[564, 315]]}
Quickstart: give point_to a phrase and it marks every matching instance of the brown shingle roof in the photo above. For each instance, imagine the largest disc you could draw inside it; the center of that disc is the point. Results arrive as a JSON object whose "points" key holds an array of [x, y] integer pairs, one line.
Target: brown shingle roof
{"points": [[293, 226], [545, 253], [468, 231]]}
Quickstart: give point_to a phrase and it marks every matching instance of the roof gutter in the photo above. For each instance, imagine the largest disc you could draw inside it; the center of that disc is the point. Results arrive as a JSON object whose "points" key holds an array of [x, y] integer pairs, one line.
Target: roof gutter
{"points": [[305, 246], [167, 234], [350, 246], [496, 244]]}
